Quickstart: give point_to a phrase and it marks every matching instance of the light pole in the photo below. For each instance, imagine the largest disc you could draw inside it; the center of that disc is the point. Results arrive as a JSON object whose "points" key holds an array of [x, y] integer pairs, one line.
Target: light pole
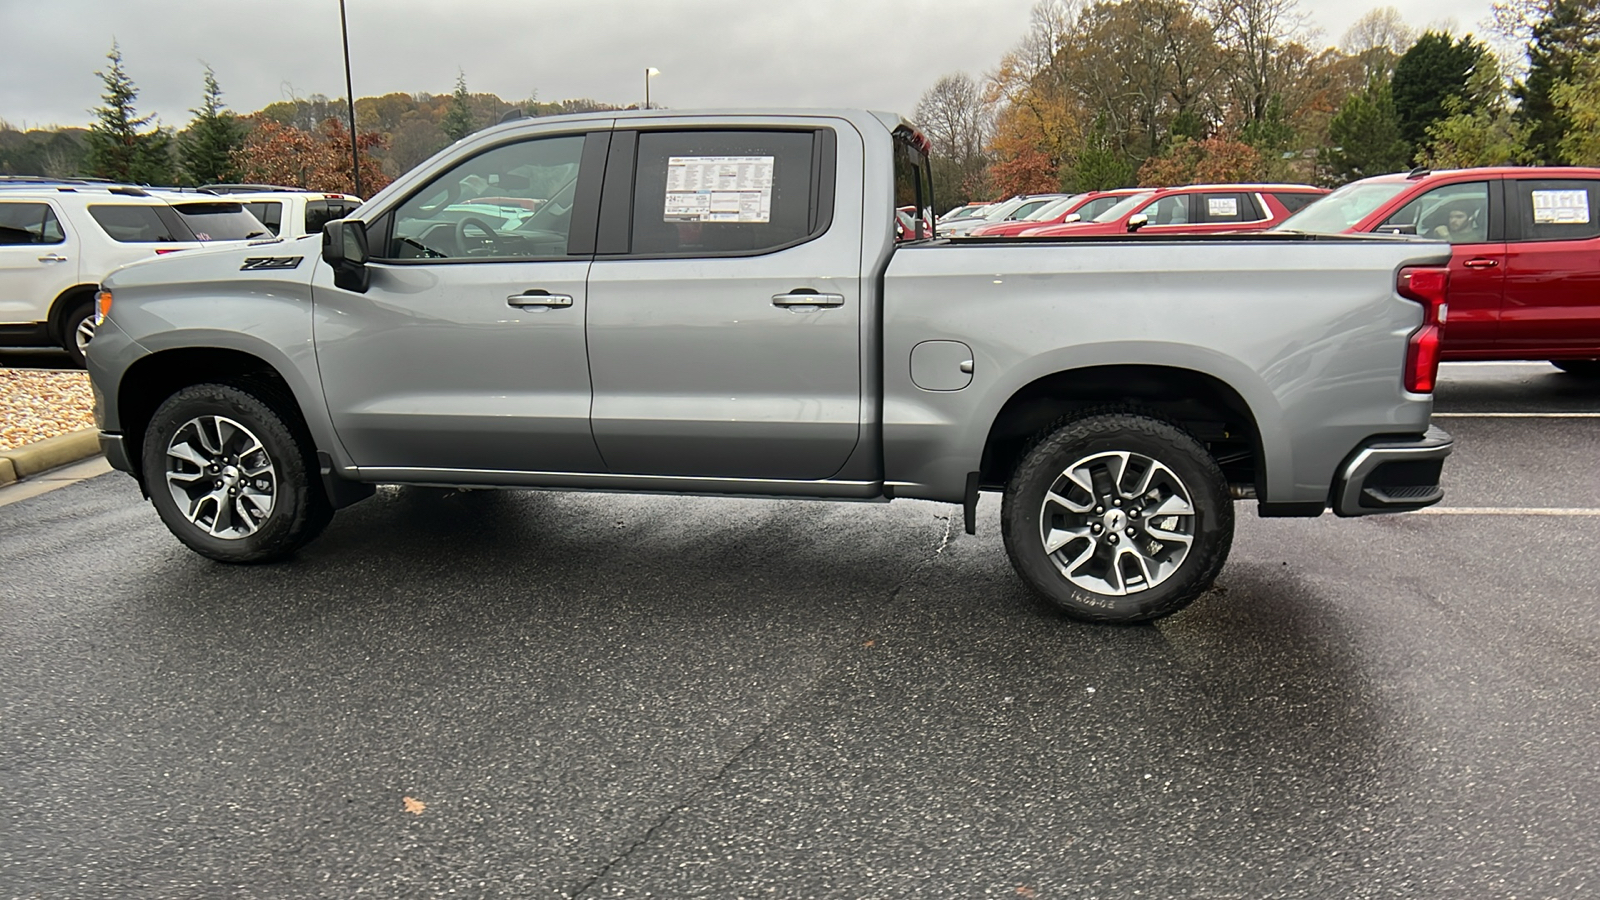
{"points": [[350, 95], [648, 74]]}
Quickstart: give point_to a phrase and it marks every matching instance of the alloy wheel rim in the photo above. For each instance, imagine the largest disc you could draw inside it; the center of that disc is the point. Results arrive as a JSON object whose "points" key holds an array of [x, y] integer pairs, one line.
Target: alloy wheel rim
{"points": [[84, 334], [1117, 523], [221, 477]]}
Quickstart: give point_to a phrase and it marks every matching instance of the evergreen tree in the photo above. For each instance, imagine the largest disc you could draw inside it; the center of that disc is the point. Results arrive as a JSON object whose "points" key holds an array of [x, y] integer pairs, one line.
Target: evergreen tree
{"points": [[459, 121], [215, 135], [119, 147], [1435, 69], [1568, 30], [1366, 135]]}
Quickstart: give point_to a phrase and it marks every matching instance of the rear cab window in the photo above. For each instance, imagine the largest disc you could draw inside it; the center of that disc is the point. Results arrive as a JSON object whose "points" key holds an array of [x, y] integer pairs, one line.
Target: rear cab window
{"points": [[29, 223], [913, 181]]}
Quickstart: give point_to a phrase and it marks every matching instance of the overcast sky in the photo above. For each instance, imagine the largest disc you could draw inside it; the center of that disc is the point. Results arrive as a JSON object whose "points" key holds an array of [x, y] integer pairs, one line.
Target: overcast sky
{"points": [[880, 54]]}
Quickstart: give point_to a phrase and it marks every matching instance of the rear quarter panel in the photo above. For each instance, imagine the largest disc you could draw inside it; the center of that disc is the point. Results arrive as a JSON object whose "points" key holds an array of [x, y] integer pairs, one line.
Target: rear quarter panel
{"points": [[1309, 333]]}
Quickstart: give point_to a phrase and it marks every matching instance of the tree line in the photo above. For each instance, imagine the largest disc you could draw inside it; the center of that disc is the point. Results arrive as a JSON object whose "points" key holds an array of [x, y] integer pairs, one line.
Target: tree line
{"points": [[1117, 93], [304, 142]]}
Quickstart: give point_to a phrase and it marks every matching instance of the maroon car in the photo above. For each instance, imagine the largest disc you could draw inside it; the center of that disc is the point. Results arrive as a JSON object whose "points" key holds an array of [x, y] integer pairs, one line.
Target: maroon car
{"points": [[1525, 267]]}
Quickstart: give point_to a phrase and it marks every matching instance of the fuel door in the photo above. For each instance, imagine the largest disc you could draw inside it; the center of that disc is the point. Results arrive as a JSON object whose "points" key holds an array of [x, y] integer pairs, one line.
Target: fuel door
{"points": [[941, 365]]}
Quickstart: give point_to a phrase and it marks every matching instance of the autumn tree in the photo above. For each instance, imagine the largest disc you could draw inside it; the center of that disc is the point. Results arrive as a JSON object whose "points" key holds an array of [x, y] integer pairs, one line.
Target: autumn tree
{"points": [[207, 147], [319, 160], [1254, 36], [1377, 40], [1215, 160], [959, 125], [124, 146]]}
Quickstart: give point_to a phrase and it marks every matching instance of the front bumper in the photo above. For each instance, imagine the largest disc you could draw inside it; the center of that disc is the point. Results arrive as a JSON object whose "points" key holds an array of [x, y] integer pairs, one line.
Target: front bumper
{"points": [[1387, 475], [116, 451]]}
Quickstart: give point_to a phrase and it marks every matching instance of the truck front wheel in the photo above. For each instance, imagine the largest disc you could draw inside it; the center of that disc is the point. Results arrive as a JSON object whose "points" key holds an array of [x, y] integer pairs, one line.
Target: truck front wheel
{"points": [[1118, 518], [228, 476]]}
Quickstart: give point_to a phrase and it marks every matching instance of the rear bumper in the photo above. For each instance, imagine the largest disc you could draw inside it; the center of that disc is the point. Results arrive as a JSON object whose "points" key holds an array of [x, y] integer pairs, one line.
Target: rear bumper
{"points": [[1387, 475]]}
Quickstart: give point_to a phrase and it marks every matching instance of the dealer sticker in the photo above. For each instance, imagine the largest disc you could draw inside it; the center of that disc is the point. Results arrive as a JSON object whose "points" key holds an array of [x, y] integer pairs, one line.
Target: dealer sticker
{"points": [[719, 189], [1561, 207]]}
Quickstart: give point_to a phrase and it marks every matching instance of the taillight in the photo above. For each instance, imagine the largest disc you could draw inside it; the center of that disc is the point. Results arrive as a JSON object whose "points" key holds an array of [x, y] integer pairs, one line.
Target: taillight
{"points": [[1428, 286], [163, 251]]}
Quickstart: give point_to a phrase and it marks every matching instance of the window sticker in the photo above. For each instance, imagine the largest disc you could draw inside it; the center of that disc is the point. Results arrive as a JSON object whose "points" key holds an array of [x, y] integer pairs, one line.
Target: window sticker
{"points": [[1223, 207], [719, 189], [1561, 207]]}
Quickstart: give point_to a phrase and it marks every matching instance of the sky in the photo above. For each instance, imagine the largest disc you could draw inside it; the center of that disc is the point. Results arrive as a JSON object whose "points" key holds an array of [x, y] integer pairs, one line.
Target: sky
{"points": [[878, 54]]}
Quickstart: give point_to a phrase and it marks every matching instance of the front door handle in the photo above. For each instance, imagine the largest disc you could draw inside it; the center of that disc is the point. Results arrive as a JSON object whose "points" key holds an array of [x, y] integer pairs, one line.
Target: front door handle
{"points": [[807, 299], [52, 258], [539, 298], [1481, 263]]}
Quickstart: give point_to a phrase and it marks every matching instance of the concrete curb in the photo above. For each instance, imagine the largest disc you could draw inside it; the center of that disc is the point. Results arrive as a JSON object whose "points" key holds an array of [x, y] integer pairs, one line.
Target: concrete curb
{"points": [[50, 453]]}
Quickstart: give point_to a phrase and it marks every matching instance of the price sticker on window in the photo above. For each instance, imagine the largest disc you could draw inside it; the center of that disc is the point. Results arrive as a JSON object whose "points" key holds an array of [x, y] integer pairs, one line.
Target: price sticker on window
{"points": [[1561, 207], [719, 189], [1223, 207]]}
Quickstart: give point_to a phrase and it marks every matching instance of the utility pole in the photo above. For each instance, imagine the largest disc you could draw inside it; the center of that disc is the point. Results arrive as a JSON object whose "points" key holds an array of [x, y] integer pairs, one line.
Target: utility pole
{"points": [[350, 97], [648, 74]]}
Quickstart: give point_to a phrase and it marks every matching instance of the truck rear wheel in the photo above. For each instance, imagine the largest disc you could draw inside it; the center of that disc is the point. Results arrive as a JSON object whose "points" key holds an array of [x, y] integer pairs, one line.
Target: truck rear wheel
{"points": [[229, 478], [1118, 518]]}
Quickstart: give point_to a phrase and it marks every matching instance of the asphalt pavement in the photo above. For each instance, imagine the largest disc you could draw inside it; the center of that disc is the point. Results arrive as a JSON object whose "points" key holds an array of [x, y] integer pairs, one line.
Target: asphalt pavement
{"points": [[498, 694]]}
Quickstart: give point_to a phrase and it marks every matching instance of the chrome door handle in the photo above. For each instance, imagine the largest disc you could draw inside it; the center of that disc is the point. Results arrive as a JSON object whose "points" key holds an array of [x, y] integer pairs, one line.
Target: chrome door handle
{"points": [[799, 299], [52, 258], [1481, 263], [539, 298]]}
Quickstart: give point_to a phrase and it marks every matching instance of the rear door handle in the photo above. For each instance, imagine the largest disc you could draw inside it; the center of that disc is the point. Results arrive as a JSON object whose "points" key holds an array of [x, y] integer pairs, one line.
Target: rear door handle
{"points": [[539, 298], [1481, 263], [52, 258], [805, 299]]}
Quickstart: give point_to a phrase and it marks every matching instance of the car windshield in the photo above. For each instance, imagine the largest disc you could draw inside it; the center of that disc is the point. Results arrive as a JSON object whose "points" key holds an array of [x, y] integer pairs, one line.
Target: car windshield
{"points": [[1125, 206], [221, 221], [1002, 211], [1050, 210], [1341, 210]]}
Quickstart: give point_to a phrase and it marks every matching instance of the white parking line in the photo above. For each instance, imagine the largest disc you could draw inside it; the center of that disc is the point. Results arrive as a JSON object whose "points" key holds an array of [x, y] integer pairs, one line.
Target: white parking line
{"points": [[1503, 511], [1516, 415]]}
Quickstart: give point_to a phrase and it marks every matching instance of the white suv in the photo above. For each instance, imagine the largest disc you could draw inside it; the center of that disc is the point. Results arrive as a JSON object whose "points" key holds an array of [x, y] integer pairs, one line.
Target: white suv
{"points": [[287, 212], [59, 239]]}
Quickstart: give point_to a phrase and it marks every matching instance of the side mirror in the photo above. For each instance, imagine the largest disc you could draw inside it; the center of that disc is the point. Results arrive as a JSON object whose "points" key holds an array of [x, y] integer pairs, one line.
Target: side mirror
{"points": [[1137, 222], [344, 247], [1073, 217]]}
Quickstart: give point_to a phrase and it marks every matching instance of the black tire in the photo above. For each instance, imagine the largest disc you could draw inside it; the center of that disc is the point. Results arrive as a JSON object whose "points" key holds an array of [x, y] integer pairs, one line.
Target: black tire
{"points": [[1079, 578], [298, 509], [70, 324], [1583, 368]]}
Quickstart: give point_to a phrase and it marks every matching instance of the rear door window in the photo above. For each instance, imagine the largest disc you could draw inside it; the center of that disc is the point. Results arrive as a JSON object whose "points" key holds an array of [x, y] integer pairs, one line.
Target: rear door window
{"points": [[1231, 206], [1555, 209], [1296, 202], [134, 224], [29, 223], [321, 212], [721, 193]]}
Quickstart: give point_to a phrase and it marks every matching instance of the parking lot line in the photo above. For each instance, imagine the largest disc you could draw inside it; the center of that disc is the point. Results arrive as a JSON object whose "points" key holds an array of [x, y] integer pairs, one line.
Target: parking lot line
{"points": [[1504, 511], [1516, 415]]}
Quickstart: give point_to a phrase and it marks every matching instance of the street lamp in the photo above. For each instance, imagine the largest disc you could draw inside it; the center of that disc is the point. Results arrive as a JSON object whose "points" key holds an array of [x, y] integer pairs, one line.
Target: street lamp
{"points": [[648, 74], [350, 96]]}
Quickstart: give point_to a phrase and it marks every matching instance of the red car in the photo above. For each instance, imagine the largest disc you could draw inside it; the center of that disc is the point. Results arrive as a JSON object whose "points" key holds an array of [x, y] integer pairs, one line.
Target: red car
{"points": [[1525, 265], [1082, 206], [1194, 209]]}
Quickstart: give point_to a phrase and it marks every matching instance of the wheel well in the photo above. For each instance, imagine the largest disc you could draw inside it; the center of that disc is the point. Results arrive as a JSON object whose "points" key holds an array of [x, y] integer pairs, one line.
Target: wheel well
{"points": [[151, 380], [64, 303], [1198, 403]]}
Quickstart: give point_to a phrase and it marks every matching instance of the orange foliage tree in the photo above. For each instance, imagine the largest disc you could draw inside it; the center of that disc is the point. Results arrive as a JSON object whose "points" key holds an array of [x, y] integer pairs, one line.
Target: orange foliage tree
{"points": [[276, 153], [1211, 161]]}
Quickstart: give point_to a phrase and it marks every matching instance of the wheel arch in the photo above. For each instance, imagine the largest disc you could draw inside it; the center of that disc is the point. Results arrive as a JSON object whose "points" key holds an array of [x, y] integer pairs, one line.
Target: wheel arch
{"points": [[1200, 403], [63, 304]]}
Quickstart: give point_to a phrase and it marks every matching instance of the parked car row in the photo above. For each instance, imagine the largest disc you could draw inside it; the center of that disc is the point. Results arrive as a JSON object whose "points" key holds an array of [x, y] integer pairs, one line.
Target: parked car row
{"points": [[59, 238]]}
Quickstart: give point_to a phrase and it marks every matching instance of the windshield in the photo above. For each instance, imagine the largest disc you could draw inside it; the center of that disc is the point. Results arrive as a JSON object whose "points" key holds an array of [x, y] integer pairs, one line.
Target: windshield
{"points": [[1341, 210], [1050, 210], [1125, 206], [1002, 211], [221, 221]]}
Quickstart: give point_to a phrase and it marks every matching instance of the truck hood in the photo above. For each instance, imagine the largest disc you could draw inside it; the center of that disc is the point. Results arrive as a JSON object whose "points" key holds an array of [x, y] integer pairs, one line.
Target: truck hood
{"points": [[275, 259]]}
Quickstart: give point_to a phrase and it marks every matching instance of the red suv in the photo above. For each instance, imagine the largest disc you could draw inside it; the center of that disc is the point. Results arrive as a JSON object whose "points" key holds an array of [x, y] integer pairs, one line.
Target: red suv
{"points": [[1082, 206], [1525, 266], [1194, 209]]}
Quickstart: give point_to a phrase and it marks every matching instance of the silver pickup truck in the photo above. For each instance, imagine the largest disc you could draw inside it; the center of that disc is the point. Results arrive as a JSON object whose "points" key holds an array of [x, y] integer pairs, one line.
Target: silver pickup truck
{"points": [[717, 303]]}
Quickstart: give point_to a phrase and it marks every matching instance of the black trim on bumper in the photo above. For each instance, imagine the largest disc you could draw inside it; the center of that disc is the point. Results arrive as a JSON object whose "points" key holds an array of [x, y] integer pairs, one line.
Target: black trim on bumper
{"points": [[1392, 475], [116, 451]]}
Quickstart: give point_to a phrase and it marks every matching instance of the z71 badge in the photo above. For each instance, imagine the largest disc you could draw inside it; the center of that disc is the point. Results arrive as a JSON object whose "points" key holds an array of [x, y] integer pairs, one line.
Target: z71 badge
{"points": [[271, 262]]}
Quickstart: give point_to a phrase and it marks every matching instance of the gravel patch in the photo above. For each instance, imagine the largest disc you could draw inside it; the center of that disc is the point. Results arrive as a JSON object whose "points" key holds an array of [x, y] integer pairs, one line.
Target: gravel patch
{"points": [[37, 404]]}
